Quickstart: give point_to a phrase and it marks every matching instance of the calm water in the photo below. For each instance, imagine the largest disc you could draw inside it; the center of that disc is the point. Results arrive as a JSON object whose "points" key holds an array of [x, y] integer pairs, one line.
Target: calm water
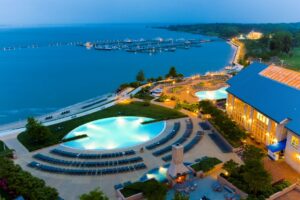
{"points": [[114, 133], [40, 80]]}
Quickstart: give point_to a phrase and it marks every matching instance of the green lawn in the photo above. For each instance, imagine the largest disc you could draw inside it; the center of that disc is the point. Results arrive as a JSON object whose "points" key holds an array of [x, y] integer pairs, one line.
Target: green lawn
{"points": [[293, 62], [132, 109]]}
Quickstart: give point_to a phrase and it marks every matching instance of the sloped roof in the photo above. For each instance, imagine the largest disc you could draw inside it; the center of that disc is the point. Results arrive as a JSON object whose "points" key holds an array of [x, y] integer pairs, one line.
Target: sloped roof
{"points": [[275, 99]]}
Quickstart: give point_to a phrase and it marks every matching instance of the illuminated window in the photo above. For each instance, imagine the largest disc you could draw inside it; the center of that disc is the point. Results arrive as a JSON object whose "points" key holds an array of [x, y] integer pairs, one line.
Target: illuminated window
{"points": [[262, 118], [295, 141]]}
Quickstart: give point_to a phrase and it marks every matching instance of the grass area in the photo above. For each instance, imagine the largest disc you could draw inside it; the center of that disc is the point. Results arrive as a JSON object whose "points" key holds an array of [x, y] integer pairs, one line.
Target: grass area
{"points": [[206, 164], [293, 61], [133, 109]]}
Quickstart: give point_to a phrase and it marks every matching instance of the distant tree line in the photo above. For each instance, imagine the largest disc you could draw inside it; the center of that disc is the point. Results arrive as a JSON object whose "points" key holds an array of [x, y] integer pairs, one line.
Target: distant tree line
{"points": [[278, 40]]}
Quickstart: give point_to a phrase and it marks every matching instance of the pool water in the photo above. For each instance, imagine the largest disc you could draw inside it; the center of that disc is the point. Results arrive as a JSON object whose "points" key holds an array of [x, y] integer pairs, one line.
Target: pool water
{"points": [[212, 95], [160, 174], [114, 133]]}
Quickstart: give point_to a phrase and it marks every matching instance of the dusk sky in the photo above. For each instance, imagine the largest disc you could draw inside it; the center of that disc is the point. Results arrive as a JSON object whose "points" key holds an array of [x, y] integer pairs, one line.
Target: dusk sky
{"points": [[35, 12]]}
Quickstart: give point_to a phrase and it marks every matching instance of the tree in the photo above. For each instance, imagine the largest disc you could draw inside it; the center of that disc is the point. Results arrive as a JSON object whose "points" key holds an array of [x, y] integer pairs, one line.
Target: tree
{"points": [[155, 191], [95, 194], [281, 41], [36, 131], [140, 76], [252, 153], [19, 182], [179, 196], [231, 167], [172, 72], [256, 177]]}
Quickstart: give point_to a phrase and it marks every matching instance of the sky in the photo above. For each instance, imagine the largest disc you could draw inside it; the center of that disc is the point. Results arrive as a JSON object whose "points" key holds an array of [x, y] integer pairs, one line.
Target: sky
{"points": [[44, 12]]}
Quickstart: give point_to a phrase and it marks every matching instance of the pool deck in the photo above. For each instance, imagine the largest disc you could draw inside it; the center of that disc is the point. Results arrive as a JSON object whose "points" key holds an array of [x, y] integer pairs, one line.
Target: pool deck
{"points": [[71, 187], [185, 90]]}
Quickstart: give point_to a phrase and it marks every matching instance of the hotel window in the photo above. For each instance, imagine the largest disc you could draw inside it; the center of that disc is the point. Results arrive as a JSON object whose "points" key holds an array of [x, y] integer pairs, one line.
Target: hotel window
{"points": [[295, 142], [262, 118]]}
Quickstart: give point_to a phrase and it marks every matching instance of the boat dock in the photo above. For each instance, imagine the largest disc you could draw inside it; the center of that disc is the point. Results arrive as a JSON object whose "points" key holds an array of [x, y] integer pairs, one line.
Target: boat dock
{"points": [[151, 46]]}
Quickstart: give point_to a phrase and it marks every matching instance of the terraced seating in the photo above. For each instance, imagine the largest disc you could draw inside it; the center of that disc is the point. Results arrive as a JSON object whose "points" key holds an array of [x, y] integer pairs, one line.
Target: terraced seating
{"points": [[76, 163], [181, 140], [193, 142], [164, 140], [204, 126], [91, 156], [187, 147], [77, 171]]}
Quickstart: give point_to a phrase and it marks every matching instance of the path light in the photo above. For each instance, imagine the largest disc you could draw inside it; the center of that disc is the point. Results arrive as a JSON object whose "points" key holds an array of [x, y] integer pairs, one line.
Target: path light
{"points": [[226, 173], [298, 156]]}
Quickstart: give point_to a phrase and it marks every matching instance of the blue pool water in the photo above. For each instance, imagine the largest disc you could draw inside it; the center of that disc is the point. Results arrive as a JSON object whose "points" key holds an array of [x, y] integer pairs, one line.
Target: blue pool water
{"points": [[36, 81], [212, 95], [114, 133], [160, 174]]}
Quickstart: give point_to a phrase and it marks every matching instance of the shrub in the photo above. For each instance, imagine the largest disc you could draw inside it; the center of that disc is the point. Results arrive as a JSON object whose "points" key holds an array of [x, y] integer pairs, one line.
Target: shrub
{"points": [[206, 164], [17, 182], [228, 128], [151, 189]]}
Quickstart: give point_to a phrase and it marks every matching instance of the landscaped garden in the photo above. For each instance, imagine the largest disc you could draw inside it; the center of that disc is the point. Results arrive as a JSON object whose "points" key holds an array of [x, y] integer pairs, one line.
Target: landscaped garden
{"points": [[206, 164], [47, 136], [220, 120], [251, 177]]}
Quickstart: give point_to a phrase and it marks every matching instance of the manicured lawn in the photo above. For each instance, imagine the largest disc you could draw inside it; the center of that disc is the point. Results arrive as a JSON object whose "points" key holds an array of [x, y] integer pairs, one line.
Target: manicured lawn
{"points": [[293, 62], [132, 109]]}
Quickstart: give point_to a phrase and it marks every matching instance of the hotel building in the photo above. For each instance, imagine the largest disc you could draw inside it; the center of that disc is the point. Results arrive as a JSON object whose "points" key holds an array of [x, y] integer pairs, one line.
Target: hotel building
{"points": [[265, 100]]}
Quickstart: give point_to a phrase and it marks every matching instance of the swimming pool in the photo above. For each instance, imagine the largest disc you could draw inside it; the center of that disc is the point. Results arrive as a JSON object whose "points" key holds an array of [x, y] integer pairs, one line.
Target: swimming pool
{"points": [[160, 174], [212, 95], [114, 133]]}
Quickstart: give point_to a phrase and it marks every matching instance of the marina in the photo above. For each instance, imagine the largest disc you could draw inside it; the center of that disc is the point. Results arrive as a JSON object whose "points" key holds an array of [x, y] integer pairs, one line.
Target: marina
{"points": [[156, 45]]}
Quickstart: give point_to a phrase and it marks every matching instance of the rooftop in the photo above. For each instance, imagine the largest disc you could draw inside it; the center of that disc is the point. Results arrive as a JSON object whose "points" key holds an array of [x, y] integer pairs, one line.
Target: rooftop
{"points": [[282, 75], [270, 90]]}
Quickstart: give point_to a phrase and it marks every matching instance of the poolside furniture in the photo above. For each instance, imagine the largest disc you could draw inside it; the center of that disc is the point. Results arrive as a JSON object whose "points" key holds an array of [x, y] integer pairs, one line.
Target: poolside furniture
{"points": [[92, 155], [217, 187], [181, 140], [187, 147], [77, 171], [76, 163], [167, 138], [204, 126]]}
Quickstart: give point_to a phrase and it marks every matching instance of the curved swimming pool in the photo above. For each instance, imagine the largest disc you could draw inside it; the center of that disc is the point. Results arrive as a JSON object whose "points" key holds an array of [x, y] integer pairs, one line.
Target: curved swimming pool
{"points": [[114, 133], [212, 95]]}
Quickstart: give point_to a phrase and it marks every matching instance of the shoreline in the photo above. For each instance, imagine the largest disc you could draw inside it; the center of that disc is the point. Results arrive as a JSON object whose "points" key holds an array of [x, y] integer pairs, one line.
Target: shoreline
{"points": [[76, 110]]}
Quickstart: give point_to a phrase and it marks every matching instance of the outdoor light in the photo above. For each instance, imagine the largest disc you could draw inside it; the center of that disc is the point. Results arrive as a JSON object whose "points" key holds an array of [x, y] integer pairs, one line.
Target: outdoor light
{"points": [[298, 156]]}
